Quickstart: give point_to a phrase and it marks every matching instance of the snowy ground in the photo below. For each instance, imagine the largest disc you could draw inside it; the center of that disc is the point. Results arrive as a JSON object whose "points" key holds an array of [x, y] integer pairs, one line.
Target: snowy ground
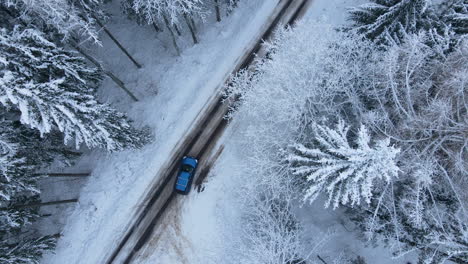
{"points": [[172, 91], [198, 227]]}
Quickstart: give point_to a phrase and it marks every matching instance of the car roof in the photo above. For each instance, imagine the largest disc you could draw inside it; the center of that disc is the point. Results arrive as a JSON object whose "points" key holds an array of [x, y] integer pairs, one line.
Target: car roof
{"points": [[182, 181]]}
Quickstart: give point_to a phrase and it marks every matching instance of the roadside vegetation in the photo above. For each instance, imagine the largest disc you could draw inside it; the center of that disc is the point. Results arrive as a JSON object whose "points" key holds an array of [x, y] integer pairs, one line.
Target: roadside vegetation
{"points": [[50, 112], [372, 118]]}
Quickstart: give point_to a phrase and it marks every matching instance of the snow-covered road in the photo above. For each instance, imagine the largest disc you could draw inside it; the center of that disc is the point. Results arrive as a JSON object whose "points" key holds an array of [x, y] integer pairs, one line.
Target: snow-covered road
{"points": [[199, 142], [202, 228], [112, 195]]}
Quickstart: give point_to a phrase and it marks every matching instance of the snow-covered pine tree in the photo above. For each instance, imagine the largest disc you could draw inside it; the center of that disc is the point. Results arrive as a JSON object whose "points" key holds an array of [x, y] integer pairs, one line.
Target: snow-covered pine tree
{"points": [[63, 16], [347, 173], [52, 88], [172, 9], [457, 17], [26, 251], [19, 161], [416, 214], [14, 176], [14, 216], [34, 152], [170, 13], [231, 5], [384, 20]]}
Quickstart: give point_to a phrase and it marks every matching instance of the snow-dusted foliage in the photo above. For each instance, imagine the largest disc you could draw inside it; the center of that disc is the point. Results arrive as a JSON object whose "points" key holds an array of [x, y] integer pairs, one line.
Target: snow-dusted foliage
{"points": [[9, 182], [173, 10], [26, 252], [275, 95], [24, 152], [53, 88], [412, 93], [273, 98], [420, 103], [270, 232], [68, 17], [382, 19], [457, 16], [19, 189], [347, 173]]}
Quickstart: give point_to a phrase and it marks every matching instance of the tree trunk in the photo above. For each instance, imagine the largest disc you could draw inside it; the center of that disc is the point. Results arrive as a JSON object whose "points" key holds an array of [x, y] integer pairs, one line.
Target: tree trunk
{"points": [[85, 174], [108, 73], [168, 26], [156, 27], [177, 30], [321, 259], [218, 15], [63, 174], [192, 31], [117, 42], [190, 18], [38, 204], [193, 25]]}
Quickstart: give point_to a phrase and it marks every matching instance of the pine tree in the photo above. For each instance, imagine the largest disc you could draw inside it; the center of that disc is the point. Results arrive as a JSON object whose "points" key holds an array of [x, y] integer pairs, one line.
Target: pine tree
{"points": [[23, 153], [173, 9], [26, 251], [417, 215], [16, 245], [348, 174], [457, 17], [14, 178], [64, 16], [169, 12], [53, 88], [14, 219], [382, 20]]}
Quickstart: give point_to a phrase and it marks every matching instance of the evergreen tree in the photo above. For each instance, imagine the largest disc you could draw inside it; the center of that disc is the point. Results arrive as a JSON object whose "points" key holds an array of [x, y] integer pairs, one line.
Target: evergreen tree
{"points": [[172, 9], [26, 251], [14, 218], [60, 16], [14, 178], [18, 186], [417, 215], [348, 174], [383, 20], [53, 88], [40, 151], [457, 17]]}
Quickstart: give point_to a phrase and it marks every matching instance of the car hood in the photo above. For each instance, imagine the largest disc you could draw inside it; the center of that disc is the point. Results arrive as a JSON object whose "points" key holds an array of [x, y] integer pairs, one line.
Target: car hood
{"points": [[190, 161]]}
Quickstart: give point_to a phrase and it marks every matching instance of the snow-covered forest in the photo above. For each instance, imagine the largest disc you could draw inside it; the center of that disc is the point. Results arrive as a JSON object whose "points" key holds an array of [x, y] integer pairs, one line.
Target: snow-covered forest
{"points": [[370, 117], [51, 109]]}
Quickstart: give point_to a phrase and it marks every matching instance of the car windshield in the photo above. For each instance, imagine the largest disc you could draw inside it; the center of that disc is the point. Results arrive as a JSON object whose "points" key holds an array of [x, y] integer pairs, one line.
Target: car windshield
{"points": [[187, 168]]}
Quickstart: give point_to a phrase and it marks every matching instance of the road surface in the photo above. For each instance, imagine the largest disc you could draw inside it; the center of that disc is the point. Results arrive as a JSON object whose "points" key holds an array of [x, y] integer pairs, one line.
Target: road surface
{"points": [[199, 142]]}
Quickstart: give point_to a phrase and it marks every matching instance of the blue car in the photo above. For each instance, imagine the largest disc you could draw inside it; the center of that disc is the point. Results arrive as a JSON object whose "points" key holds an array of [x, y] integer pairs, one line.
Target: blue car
{"points": [[185, 177]]}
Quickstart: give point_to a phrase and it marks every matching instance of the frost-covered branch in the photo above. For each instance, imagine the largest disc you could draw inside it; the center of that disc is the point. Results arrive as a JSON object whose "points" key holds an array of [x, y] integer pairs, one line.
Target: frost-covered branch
{"points": [[346, 173]]}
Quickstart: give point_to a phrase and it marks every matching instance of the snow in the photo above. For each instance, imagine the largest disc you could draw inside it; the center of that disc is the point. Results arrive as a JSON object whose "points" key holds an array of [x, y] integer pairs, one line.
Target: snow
{"points": [[172, 91], [201, 227], [195, 229], [333, 12]]}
